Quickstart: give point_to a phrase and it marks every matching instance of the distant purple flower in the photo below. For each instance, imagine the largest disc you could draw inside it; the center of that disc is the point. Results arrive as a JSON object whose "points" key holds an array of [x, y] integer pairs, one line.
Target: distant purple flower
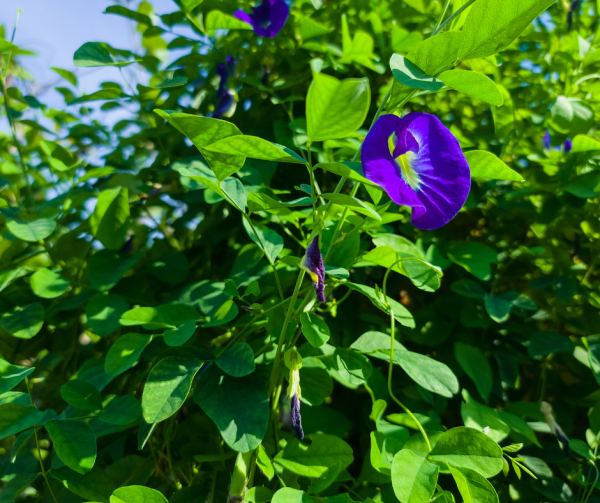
{"points": [[546, 143], [268, 18], [572, 9], [313, 264], [296, 419], [225, 96], [419, 163]]}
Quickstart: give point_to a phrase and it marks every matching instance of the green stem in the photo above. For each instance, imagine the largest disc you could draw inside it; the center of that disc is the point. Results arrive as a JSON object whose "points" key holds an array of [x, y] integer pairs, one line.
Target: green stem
{"points": [[37, 444], [288, 317], [338, 229], [391, 366], [452, 17], [437, 25]]}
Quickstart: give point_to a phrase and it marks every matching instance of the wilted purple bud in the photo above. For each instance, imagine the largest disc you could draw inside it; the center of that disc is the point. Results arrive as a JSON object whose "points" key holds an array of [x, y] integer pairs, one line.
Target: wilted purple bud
{"points": [[546, 409], [313, 265], [296, 419], [226, 103], [268, 18], [225, 96]]}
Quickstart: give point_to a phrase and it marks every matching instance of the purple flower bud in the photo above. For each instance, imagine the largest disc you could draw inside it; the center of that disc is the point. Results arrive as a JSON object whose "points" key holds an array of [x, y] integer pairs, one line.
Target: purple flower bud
{"points": [[568, 145], [313, 264], [268, 18], [296, 419]]}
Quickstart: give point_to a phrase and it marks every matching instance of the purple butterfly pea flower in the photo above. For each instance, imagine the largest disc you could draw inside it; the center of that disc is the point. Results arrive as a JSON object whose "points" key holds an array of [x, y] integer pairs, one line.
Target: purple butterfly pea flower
{"points": [[546, 143], [267, 19], [296, 419], [313, 265], [420, 164]]}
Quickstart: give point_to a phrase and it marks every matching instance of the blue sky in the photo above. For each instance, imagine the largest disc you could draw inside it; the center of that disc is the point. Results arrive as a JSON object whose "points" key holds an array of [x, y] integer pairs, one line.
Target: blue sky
{"points": [[55, 29]]}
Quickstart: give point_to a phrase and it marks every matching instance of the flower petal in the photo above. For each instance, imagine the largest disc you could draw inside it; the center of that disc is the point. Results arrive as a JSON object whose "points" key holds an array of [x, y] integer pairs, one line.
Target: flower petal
{"points": [[434, 179]]}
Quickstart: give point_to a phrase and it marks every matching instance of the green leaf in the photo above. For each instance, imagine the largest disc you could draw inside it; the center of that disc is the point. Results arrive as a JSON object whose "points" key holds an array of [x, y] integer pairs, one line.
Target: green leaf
{"points": [[92, 54], [239, 406], [474, 257], [571, 115], [316, 382], [486, 165], [121, 410], [378, 455], [546, 343], [480, 417], [12, 375], [15, 418], [255, 148], [594, 360], [137, 494], [311, 28], [129, 14], [581, 448], [584, 143], [107, 267], [82, 395], [74, 443], [48, 284], [427, 372], [217, 20], [414, 478], [437, 53], [177, 81], [167, 387], [468, 288], [422, 274], [235, 192], [474, 84], [352, 366], [125, 353], [8, 277], [16, 485], [401, 314], [408, 74], [103, 311], [264, 462], [403, 41], [95, 485], [180, 335], [24, 322], [326, 480], [476, 366], [237, 360], [464, 447], [353, 203], [267, 239], [504, 116], [492, 25], [313, 461], [32, 231], [314, 329], [203, 131], [110, 221], [473, 487], [291, 495], [102, 95], [498, 307], [170, 315], [334, 108]]}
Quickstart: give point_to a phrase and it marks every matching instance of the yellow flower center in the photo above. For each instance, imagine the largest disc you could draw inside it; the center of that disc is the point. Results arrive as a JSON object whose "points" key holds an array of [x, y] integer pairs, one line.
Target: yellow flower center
{"points": [[404, 162]]}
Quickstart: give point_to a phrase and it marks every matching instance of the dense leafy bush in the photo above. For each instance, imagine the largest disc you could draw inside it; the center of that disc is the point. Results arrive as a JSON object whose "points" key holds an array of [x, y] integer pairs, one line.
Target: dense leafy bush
{"points": [[163, 331]]}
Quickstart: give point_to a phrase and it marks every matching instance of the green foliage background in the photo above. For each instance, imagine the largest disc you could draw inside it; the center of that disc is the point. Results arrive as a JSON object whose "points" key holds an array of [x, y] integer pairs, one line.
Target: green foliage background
{"points": [[146, 278]]}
